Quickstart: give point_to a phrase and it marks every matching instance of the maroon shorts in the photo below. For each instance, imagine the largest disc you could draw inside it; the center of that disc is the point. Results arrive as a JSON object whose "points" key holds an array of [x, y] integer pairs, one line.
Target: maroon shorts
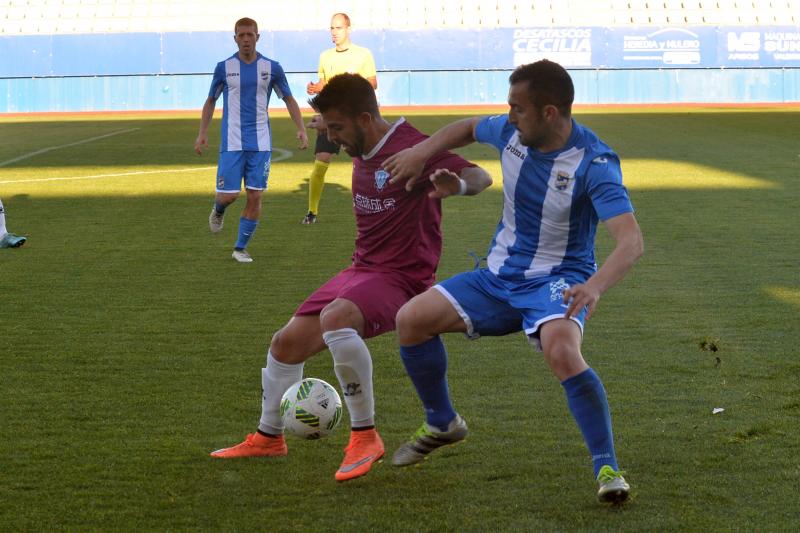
{"points": [[378, 294]]}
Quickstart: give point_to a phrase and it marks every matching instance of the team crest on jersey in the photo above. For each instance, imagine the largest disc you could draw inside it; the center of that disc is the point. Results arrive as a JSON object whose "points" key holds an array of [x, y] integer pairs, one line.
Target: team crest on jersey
{"points": [[562, 180], [381, 177]]}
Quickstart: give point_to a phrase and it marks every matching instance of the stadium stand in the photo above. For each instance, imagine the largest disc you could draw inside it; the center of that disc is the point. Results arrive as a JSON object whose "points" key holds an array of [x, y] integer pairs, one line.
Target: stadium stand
{"points": [[32, 17], [74, 55]]}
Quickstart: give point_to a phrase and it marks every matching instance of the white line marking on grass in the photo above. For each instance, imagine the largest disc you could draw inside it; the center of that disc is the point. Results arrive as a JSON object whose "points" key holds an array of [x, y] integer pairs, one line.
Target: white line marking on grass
{"points": [[99, 176], [76, 143], [282, 154]]}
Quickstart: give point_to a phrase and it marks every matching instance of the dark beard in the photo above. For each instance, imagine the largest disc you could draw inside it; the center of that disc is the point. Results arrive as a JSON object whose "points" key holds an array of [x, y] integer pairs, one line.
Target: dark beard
{"points": [[358, 149]]}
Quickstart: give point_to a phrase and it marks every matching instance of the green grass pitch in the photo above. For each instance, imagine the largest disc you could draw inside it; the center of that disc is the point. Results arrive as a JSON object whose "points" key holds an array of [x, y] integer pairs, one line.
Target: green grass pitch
{"points": [[131, 343]]}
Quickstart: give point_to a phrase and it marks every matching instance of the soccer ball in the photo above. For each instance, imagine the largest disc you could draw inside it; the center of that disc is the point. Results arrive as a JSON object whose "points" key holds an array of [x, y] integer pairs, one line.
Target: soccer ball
{"points": [[311, 409]]}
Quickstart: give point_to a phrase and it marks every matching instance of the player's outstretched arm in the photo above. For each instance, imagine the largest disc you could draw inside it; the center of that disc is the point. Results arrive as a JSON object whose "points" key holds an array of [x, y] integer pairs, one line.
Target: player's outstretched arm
{"points": [[407, 164], [472, 181], [297, 118], [629, 248], [205, 120]]}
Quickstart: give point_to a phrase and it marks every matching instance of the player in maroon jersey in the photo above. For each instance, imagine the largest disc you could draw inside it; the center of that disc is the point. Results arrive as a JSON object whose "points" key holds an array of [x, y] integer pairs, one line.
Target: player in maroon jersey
{"points": [[397, 250]]}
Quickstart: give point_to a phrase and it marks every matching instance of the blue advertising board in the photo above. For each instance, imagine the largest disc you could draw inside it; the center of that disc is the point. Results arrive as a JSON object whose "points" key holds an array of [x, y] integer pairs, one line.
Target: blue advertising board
{"points": [[775, 46], [662, 47], [589, 47]]}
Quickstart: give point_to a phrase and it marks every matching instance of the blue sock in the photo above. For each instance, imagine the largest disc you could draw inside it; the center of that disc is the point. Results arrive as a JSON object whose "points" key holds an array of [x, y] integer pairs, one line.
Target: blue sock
{"points": [[246, 229], [426, 365], [587, 400], [219, 208]]}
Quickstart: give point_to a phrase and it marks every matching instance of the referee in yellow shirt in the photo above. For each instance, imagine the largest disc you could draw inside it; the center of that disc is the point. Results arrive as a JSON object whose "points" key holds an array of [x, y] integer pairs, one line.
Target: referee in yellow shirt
{"points": [[344, 57]]}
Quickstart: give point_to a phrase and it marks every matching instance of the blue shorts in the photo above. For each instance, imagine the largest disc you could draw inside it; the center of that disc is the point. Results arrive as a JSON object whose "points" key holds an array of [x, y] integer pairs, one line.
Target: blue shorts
{"points": [[493, 307], [233, 166]]}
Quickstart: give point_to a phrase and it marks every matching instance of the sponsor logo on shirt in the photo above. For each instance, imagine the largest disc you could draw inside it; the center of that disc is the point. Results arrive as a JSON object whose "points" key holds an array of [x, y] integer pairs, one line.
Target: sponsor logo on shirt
{"points": [[373, 205], [510, 148], [381, 177], [232, 74], [264, 75]]}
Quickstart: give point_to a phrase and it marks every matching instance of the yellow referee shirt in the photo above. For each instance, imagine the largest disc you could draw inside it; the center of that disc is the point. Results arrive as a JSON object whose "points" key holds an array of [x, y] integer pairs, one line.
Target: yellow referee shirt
{"points": [[355, 60]]}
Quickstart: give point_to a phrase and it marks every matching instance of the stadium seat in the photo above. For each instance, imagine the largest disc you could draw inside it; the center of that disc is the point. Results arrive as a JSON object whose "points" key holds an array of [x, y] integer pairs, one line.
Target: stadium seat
{"points": [[787, 13], [378, 17], [451, 14], [433, 13], [532, 14], [675, 17], [561, 15], [46, 16], [640, 17], [507, 14], [471, 13]]}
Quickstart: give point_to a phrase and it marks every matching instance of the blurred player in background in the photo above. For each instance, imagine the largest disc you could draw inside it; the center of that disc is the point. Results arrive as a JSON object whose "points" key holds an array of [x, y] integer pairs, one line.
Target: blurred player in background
{"points": [[246, 81], [8, 240], [344, 57], [559, 179], [397, 249]]}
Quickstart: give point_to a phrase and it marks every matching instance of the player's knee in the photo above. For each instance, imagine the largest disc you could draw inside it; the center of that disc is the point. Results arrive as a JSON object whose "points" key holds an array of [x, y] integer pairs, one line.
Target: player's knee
{"points": [[282, 348], [564, 358], [226, 198], [275, 345], [409, 323], [341, 314]]}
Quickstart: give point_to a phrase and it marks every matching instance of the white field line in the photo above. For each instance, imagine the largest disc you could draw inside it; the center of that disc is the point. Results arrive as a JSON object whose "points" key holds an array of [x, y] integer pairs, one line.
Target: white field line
{"points": [[76, 143], [281, 155]]}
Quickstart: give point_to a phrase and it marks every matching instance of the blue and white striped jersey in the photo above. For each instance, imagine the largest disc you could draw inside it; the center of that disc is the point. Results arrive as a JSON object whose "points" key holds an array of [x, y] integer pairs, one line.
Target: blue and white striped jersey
{"points": [[246, 89], [551, 202]]}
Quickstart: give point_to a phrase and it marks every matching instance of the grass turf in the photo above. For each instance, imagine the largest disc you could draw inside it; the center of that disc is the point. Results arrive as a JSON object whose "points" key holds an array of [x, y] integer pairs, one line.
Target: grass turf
{"points": [[131, 343]]}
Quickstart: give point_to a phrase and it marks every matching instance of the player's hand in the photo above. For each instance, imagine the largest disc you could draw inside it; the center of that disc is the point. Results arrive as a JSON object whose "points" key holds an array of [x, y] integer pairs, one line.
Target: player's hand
{"points": [[200, 143], [579, 296], [302, 139], [314, 88], [317, 123], [405, 165], [445, 183]]}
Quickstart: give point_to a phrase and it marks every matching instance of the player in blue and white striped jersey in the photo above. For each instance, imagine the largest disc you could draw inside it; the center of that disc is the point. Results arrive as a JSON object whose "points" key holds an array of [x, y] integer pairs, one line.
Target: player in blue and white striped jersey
{"points": [[246, 81], [559, 181]]}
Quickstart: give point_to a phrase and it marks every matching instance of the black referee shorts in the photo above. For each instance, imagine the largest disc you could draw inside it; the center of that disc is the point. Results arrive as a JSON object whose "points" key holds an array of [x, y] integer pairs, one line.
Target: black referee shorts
{"points": [[324, 145]]}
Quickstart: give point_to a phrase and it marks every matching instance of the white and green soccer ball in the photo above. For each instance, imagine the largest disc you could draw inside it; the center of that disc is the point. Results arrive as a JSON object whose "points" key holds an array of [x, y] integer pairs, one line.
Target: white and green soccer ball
{"points": [[311, 409]]}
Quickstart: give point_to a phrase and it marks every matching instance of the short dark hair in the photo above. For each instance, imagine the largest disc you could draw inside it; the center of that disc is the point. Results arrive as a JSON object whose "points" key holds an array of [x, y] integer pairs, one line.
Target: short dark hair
{"points": [[245, 22], [349, 94], [344, 16], [548, 84]]}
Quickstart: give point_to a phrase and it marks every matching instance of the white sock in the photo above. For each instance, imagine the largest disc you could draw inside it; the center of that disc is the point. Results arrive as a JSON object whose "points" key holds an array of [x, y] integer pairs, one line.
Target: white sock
{"points": [[276, 379], [2, 221], [353, 366]]}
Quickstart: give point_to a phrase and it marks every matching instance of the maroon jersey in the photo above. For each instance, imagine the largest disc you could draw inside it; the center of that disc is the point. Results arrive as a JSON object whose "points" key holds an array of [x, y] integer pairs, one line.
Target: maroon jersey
{"points": [[397, 229]]}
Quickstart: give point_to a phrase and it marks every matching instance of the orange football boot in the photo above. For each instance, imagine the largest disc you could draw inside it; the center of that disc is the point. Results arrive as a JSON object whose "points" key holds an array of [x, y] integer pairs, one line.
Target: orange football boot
{"points": [[365, 448], [255, 445]]}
